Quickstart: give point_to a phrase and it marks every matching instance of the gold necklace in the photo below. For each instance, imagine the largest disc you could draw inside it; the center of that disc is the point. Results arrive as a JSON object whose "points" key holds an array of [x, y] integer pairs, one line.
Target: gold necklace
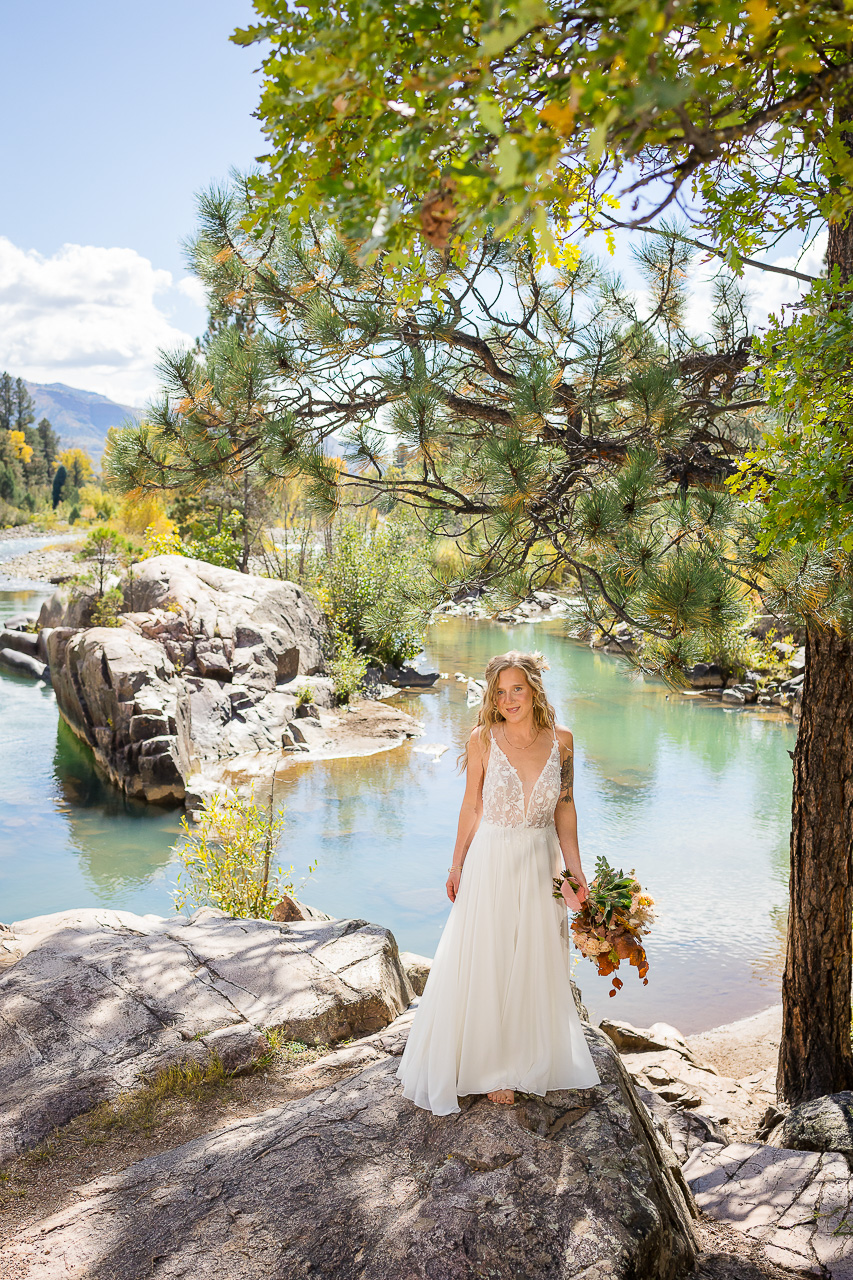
{"points": [[512, 744]]}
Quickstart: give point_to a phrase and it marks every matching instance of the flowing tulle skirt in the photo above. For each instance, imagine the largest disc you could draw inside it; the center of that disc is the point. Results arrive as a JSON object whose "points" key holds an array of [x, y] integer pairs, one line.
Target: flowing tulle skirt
{"points": [[497, 1011]]}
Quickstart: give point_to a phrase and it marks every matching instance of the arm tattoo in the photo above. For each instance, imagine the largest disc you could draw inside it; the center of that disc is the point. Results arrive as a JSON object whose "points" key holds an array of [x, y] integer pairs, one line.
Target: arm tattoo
{"points": [[567, 779]]}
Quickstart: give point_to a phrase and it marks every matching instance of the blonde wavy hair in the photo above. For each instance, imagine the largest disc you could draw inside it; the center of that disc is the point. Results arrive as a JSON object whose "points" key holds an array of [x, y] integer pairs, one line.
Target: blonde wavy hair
{"points": [[532, 664]]}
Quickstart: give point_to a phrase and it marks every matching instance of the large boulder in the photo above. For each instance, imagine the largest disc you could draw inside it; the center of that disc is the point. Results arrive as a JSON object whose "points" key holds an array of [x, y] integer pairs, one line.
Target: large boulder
{"points": [[354, 1181], [120, 693], [204, 667], [102, 999], [823, 1124], [226, 625]]}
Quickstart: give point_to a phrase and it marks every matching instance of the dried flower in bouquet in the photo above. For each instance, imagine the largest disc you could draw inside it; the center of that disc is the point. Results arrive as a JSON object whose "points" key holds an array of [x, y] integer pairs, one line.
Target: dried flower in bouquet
{"points": [[612, 920]]}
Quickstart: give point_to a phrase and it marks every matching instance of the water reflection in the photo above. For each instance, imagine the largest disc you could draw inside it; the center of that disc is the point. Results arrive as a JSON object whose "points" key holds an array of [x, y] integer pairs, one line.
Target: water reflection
{"points": [[111, 833]]}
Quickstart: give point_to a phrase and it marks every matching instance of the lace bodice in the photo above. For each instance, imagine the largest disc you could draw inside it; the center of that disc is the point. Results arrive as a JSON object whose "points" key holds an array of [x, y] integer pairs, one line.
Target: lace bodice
{"points": [[503, 793]]}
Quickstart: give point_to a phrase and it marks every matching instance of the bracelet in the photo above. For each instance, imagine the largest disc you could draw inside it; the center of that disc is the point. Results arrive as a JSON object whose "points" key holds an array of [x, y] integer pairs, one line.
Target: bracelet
{"points": [[454, 868]]}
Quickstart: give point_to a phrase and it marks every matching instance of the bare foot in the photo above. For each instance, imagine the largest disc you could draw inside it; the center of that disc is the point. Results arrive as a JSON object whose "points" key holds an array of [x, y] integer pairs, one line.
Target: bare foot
{"points": [[505, 1096]]}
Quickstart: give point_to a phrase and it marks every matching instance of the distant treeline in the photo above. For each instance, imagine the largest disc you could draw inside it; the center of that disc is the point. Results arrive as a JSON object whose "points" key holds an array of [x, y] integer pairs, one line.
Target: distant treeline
{"points": [[36, 473]]}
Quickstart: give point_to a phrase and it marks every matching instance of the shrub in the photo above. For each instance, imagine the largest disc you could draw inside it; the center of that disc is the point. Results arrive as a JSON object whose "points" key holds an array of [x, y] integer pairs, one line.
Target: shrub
{"points": [[217, 546], [227, 859], [107, 609], [376, 586], [348, 667]]}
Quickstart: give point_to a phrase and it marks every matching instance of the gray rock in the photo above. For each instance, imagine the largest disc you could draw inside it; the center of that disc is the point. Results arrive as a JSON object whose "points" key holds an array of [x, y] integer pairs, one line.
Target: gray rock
{"points": [[295, 731], [823, 1124], [417, 970], [583, 1012], [660, 1035], [20, 621], [353, 1180], [797, 661], [683, 1130], [23, 665], [24, 641], [307, 711], [795, 1205], [734, 697], [102, 999], [120, 693], [408, 677], [193, 675], [276, 621], [705, 675]]}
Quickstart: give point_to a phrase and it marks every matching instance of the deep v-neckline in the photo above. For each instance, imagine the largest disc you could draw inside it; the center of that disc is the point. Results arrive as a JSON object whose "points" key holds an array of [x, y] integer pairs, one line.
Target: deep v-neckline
{"points": [[525, 806]]}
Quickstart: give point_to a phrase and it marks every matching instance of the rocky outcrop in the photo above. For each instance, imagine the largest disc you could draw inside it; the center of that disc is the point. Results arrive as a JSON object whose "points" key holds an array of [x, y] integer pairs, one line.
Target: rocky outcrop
{"points": [[662, 1063], [208, 665], [23, 664], [119, 692], [537, 607], [102, 999], [354, 1181], [795, 1205]]}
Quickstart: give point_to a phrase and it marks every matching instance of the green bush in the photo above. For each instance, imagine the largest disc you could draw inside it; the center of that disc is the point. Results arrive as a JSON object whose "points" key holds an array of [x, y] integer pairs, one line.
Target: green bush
{"points": [[347, 668], [107, 608], [376, 587], [228, 859], [204, 542]]}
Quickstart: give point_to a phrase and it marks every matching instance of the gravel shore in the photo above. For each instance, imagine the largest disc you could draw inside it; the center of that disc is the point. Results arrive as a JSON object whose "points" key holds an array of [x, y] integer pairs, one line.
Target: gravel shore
{"points": [[54, 562]]}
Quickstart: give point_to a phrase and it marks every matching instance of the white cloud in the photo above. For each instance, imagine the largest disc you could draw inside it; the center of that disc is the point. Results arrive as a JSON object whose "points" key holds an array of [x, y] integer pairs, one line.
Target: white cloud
{"points": [[90, 317], [769, 291], [194, 290]]}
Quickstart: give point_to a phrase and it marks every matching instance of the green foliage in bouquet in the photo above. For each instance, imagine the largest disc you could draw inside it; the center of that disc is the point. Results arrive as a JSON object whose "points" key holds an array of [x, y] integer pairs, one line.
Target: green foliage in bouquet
{"points": [[613, 918]]}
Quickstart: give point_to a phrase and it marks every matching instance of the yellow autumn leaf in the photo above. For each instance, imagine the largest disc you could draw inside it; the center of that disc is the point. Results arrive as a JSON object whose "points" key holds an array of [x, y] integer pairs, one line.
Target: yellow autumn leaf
{"points": [[560, 115], [760, 17], [20, 448]]}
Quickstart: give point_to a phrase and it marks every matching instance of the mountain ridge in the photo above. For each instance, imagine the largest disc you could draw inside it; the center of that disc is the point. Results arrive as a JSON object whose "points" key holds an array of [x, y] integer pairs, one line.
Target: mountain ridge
{"points": [[80, 418]]}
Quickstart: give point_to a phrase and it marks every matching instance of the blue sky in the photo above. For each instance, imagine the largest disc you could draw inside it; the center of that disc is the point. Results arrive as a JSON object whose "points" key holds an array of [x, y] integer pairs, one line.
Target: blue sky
{"points": [[114, 116]]}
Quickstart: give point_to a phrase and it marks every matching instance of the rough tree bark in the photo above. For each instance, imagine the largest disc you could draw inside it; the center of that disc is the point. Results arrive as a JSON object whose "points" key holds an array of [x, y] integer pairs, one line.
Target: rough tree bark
{"points": [[815, 1054]]}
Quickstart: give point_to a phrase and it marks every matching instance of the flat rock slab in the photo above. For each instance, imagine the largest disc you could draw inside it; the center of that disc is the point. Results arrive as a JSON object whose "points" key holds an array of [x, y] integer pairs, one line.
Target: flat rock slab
{"points": [[354, 1181], [796, 1203], [102, 999]]}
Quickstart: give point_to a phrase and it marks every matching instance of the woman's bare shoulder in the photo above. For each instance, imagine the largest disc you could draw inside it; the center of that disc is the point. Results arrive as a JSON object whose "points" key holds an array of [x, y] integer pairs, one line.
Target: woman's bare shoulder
{"points": [[564, 737], [479, 738]]}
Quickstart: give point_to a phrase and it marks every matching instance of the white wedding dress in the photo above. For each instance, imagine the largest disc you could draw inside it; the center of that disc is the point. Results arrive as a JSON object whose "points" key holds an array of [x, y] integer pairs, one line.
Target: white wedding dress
{"points": [[497, 1011]]}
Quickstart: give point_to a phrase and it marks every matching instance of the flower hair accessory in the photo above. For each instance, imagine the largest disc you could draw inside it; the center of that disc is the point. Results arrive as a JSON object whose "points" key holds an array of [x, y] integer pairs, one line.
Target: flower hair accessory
{"points": [[541, 662]]}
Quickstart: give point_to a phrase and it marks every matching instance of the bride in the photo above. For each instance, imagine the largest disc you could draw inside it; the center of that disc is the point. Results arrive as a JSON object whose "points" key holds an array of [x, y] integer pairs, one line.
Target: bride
{"points": [[497, 1012]]}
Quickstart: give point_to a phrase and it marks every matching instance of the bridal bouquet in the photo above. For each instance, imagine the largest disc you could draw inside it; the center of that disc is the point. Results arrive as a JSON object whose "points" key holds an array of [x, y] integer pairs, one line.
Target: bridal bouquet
{"points": [[612, 920]]}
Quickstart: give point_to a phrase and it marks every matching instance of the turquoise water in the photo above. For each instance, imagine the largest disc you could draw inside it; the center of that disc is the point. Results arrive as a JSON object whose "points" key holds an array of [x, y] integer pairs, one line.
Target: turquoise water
{"points": [[694, 796]]}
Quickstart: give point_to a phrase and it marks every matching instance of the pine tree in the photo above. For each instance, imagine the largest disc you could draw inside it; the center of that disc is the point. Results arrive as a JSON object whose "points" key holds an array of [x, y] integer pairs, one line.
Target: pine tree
{"points": [[24, 409], [49, 442], [59, 482], [7, 402]]}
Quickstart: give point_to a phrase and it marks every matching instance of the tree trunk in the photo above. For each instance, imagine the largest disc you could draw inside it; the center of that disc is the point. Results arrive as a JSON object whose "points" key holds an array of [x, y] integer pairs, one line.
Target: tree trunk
{"points": [[815, 1055]]}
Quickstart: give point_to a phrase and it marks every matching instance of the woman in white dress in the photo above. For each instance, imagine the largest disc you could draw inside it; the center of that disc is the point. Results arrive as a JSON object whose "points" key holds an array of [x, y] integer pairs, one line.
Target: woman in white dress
{"points": [[497, 1012]]}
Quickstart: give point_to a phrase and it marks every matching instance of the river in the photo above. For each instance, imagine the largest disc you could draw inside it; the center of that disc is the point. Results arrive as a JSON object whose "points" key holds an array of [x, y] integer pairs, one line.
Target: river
{"points": [[695, 796]]}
